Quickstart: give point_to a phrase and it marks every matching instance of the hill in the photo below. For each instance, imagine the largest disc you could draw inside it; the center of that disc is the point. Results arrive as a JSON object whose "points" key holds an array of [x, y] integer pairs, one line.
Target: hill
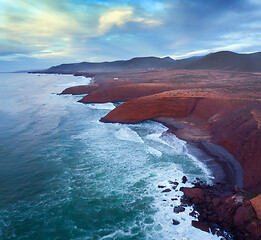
{"points": [[226, 60], [223, 60], [121, 65]]}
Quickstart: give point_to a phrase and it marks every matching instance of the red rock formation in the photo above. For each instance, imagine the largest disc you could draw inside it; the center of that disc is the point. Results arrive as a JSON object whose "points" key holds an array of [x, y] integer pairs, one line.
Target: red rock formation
{"points": [[202, 98], [168, 104], [256, 203], [195, 194], [233, 124], [239, 133], [82, 89], [125, 92], [113, 83], [232, 213], [144, 108]]}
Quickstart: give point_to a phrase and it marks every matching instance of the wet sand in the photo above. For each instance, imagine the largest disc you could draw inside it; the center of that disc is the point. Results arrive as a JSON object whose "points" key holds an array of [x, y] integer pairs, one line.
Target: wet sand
{"points": [[223, 165]]}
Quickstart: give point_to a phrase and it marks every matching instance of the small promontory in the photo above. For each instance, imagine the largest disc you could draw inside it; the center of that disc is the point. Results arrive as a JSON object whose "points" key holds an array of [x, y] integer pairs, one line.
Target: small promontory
{"points": [[231, 123]]}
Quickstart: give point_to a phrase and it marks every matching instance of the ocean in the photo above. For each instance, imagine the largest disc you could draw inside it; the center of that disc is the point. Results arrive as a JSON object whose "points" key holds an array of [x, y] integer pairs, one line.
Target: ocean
{"points": [[65, 175]]}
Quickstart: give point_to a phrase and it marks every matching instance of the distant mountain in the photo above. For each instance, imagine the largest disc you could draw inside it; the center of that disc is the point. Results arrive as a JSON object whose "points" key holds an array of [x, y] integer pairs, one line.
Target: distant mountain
{"points": [[122, 65], [183, 63], [226, 60]]}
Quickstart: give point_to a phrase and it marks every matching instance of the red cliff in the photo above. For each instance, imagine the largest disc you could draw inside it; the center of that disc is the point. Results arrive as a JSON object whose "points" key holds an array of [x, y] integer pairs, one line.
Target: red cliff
{"points": [[82, 89], [233, 124], [239, 132], [144, 108], [126, 92]]}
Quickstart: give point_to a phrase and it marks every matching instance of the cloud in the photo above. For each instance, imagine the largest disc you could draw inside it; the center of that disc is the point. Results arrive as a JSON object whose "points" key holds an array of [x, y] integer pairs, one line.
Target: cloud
{"points": [[119, 17], [114, 17], [54, 26], [79, 30]]}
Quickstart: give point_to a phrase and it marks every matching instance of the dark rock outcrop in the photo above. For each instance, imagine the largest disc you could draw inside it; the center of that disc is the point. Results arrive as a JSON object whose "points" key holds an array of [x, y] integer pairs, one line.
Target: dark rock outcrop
{"points": [[224, 214]]}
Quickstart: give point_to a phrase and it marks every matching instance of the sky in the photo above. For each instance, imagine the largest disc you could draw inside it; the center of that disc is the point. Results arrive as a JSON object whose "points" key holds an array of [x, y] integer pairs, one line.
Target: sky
{"points": [[36, 34]]}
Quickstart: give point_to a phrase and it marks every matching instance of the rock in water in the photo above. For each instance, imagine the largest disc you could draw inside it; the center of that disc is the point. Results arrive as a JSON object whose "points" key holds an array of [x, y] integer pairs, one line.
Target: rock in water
{"points": [[179, 209], [184, 179], [200, 225], [175, 222]]}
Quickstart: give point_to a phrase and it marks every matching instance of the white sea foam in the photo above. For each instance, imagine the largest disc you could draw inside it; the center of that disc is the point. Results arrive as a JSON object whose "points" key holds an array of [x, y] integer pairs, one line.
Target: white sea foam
{"points": [[154, 151], [177, 144], [76, 81], [202, 166], [125, 133], [116, 234], [97, 166], [161, 226], [180, 147], [172, 141], [163, 217], [109, 106]]}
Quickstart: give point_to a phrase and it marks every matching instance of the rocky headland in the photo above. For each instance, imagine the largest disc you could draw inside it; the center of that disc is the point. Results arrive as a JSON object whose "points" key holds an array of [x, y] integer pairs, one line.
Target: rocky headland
{"points": [[230, 123], [222, 108], [125, 92]]}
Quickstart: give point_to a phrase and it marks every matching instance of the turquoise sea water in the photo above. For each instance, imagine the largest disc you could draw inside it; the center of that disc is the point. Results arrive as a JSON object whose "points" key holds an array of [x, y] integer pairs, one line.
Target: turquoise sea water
{"points": [[65, 175]]}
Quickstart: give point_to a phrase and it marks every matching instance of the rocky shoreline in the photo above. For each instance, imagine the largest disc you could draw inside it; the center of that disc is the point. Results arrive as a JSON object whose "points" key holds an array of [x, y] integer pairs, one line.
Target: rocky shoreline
{"points": [[229, 215], [224, 167], [219, 125], [224, 208], [232, 216], [233, 124]]}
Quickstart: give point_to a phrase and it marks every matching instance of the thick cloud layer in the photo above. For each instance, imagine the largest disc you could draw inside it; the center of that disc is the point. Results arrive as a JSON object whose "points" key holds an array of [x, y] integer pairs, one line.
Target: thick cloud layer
{"points": [[42, 33]]}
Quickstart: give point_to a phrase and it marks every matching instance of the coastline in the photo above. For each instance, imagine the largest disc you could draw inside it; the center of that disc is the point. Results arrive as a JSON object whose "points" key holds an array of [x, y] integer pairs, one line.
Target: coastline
{"points": [[224, 208], [223, 165], [225, 168]]}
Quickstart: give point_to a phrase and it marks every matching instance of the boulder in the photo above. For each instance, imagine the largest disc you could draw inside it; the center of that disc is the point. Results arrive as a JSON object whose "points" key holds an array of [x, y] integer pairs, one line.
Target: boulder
{"points": [[193, 193], [175, 222], [179, 209], [216, 201], [200, 225], [166, 190], [256, 203], [184, 179], [241, 216]]}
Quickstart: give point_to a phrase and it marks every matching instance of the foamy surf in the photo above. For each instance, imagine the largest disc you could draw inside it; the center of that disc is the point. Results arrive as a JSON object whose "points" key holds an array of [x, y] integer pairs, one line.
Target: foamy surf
{"points": [[75, 81], [126, 134], [84, 179], [105, 106], [180, 147], [154, 151]]}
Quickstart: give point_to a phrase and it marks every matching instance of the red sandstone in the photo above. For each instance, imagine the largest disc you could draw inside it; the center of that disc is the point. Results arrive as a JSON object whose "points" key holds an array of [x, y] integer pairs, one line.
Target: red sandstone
{"points": [[83, 89], [126, 92], [220, 106], [223, 107], [227, 122]]}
